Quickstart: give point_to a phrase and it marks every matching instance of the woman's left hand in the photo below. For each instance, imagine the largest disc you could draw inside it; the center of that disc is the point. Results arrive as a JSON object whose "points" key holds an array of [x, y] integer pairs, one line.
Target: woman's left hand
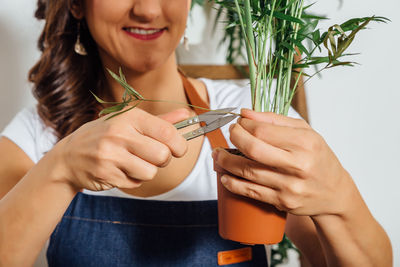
{"points": [[289, 165]]}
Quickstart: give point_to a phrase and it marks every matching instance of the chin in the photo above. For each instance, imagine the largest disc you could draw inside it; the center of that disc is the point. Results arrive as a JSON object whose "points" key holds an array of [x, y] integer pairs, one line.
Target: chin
{"points": [[142, 65]]}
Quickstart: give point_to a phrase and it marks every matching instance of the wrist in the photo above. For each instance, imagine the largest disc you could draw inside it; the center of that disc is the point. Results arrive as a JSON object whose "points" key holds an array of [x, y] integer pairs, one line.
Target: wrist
{"points": [[345, 203], [57, 169]]}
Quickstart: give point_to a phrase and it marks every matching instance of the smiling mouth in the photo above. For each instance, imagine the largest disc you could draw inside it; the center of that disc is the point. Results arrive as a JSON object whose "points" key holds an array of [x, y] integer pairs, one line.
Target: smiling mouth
{"points": [[144, 34]]}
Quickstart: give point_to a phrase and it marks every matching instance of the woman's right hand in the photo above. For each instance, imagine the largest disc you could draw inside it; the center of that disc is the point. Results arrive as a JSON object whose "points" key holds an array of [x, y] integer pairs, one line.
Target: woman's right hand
{"points": [[121, 152]]}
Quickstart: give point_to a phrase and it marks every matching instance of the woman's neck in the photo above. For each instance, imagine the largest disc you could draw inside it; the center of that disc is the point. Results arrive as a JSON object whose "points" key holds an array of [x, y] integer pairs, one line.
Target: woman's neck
{"points": [[163, 83]]}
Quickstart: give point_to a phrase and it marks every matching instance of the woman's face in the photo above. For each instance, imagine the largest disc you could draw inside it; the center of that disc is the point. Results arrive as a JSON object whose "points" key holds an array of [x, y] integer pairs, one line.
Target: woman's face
{"points": [[138, 34]]}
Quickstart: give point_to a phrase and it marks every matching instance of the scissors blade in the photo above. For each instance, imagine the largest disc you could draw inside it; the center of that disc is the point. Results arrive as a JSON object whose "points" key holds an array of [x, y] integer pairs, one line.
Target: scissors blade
{"points": [[207, 117], [219, 123], [209, 128], [210, 116], [218, 111]]}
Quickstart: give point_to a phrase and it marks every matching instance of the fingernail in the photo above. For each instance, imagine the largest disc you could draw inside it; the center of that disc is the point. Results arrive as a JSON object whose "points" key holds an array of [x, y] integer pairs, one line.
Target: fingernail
{"points": [[215, 154], [232, 125], [244, 110], [224, 179]]}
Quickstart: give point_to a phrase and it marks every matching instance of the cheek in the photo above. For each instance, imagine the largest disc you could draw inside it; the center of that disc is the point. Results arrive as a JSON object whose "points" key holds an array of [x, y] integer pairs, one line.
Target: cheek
{"points": [[107, 8], [176, 12], [100, 14]]}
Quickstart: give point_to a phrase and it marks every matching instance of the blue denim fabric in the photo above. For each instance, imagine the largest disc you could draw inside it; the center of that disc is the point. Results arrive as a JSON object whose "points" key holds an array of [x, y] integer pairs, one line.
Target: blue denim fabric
{"points": [[109, 231]]}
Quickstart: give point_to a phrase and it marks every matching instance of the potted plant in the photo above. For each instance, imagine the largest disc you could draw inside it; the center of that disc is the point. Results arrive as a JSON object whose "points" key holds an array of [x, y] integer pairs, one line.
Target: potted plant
{"points": [[273, 32]]}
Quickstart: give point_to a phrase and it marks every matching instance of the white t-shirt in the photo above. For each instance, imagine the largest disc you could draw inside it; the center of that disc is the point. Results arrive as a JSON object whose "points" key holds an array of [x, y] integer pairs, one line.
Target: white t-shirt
{"points": [[35, 139]]}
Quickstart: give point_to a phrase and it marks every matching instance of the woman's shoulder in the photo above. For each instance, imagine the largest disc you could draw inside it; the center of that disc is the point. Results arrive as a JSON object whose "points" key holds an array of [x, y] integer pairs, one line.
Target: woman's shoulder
{"points": [[28, 131], [27, 119]]}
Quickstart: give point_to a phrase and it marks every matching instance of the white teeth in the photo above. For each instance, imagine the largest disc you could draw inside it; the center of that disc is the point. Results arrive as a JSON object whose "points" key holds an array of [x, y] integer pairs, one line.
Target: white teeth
{"points": [[141, 31]]}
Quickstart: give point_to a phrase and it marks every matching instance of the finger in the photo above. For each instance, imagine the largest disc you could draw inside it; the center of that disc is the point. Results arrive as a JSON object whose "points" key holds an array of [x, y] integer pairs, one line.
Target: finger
{"points": [[123, 181], [259, 150], [176, 115], [273, 118], [149, 149], [282, 137], [251, 190], [248, 169], [162, 131], [135, 167]]}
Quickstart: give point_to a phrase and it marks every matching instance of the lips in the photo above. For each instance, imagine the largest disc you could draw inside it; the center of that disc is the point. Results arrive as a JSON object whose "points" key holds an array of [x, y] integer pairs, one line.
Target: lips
{"points": [[144, 34]]}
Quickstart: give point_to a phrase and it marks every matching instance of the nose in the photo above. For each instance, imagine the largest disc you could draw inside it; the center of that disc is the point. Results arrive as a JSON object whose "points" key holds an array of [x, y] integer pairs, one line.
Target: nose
{"points": [[146, 10]]}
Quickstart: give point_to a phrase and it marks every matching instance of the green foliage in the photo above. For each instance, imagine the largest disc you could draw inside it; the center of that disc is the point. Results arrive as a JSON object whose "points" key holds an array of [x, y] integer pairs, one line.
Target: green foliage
{"points": [[198, 2], [279, 252], [273, 32], [131, 98]]}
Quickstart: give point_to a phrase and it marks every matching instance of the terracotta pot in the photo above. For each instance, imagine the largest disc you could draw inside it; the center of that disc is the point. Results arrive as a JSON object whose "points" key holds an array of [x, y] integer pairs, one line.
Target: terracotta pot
{"points": [[247, 220]]}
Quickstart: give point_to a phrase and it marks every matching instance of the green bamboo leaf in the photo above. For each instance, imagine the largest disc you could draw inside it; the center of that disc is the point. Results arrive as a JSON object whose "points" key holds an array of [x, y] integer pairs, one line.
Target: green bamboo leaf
{"points": [[121, 75], [302, 73], [326, 40], [303, 48], [332, 42], [282, 16], [122, 112], [316, 36], [348, 63], [345, 41], [301, 66], [323, 37], [351, 54], [125, 85], [337, 27], [282, 58], [308, 6], [359, 28], [198, 2], [308, 28], [318, 60], [354, 23], [344, 44], [102, 101], [288, 5], [288, 46], [311, 16], [113, 109], [115, 76]]}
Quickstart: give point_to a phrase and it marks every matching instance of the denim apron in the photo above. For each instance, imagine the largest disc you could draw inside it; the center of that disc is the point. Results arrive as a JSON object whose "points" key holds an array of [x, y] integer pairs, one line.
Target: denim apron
{"points": [[111, 231]]}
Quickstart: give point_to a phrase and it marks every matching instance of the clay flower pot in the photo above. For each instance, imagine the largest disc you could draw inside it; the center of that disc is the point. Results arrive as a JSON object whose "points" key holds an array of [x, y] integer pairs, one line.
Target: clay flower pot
{"points": [[246, 220]]}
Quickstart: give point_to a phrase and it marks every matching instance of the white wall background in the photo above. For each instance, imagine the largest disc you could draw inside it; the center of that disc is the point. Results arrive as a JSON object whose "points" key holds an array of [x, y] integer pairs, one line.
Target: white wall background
{"points": [[355, 109]]}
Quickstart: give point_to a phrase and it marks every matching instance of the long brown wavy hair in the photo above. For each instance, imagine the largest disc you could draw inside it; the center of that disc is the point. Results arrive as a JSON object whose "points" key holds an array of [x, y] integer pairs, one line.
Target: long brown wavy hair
{"points": [[62, 79]]}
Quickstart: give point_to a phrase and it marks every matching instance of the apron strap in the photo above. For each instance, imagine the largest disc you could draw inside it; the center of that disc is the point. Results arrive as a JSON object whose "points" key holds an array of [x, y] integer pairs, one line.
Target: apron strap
{"points": [[216, 137]]}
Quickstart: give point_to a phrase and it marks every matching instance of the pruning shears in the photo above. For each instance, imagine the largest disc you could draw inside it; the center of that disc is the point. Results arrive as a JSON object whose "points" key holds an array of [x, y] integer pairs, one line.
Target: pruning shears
{"points": [[213, 119]]}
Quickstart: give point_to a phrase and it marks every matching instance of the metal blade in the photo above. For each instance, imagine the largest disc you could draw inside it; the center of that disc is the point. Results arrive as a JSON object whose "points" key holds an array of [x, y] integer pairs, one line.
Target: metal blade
{"points": [[219, 123], [213, 115], [219, 111], [209, 128]]}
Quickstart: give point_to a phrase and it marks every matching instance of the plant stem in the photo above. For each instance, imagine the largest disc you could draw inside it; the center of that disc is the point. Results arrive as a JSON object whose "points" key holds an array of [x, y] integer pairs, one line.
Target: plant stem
{"points": [[250, 46], [179, 103]]}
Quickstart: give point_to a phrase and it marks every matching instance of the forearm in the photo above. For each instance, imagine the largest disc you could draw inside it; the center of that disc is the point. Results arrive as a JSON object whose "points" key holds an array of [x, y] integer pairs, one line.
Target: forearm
{"points": [[353, 238], [30, 212]]}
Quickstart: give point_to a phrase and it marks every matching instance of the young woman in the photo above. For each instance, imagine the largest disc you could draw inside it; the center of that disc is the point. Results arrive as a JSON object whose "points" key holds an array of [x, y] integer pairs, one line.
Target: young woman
{"points": [[131, 191]]}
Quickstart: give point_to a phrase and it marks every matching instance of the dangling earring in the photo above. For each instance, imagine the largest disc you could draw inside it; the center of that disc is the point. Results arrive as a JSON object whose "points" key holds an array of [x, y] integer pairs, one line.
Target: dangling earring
{"points": [[186, 41], [79, 48]]}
